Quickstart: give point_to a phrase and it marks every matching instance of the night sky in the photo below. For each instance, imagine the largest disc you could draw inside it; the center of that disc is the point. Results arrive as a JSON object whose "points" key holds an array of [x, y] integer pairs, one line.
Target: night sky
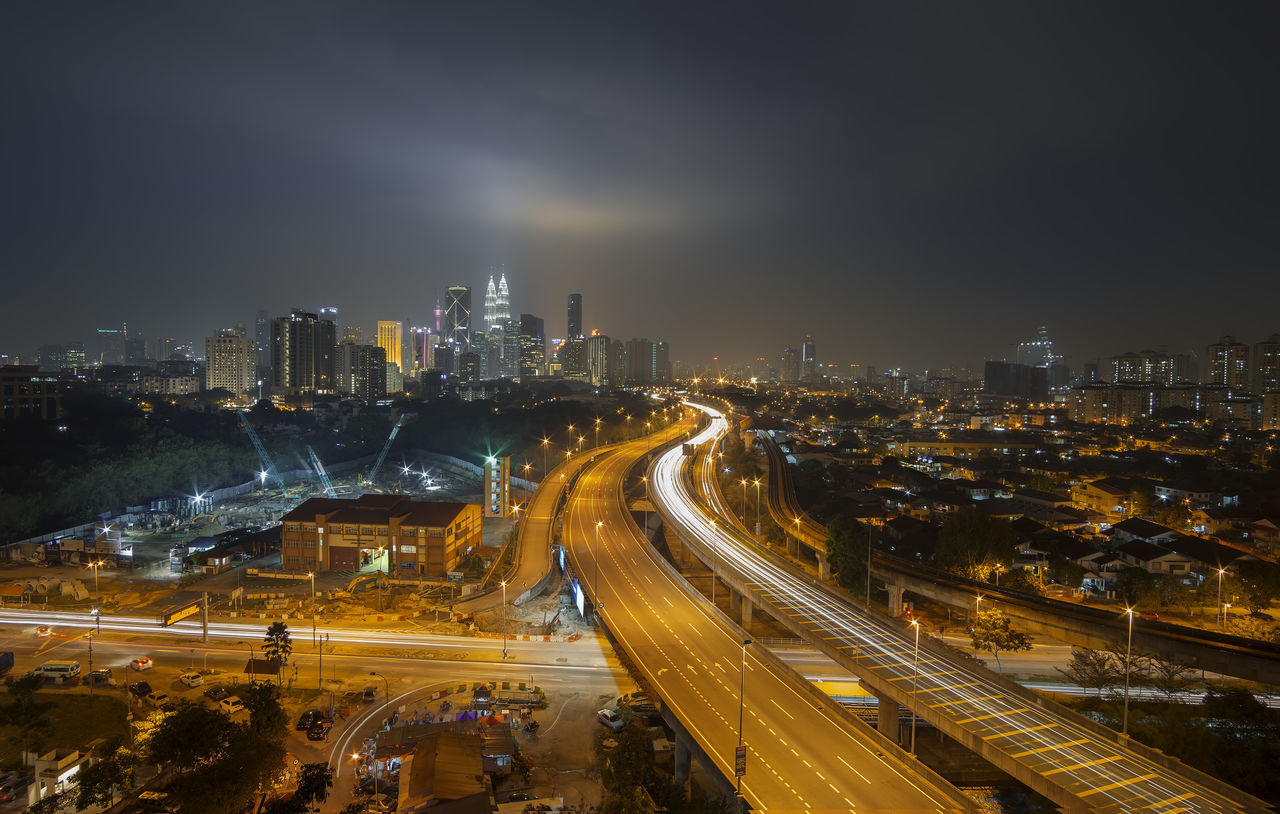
{"points": [[915, 185]]}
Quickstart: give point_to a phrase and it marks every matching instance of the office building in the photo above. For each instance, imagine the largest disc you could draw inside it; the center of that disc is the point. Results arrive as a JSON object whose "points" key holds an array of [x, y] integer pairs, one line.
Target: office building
{"points": [[1266, 365], [25, 392], [231, 363], [111, 345], [533, 346], [1010, 380], [1228, 364], [789, 365], [646, 362], [599, 361], [457, 318], [510, 365], [302, 351], [419, 539], [262, 340], [361, 371], [391, 340], [575, 317], [809, 358]]}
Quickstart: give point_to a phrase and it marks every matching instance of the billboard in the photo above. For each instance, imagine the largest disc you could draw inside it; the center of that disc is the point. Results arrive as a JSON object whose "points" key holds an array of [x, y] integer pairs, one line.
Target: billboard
{"points": [[578, 599]]}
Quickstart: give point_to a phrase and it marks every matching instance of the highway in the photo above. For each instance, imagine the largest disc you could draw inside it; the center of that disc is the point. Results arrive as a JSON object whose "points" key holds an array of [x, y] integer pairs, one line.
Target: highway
{"points": [[1087, 768], [799, 757]]}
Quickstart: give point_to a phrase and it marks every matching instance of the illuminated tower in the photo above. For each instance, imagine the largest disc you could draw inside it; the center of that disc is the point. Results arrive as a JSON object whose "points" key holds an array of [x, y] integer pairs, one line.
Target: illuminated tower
{"points": [[391, 340], [490, 305], [502, 307], [457, 313]]}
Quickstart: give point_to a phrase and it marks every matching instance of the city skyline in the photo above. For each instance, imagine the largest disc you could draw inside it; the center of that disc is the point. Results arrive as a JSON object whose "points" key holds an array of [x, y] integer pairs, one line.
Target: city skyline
{"points": [[751, 178]]}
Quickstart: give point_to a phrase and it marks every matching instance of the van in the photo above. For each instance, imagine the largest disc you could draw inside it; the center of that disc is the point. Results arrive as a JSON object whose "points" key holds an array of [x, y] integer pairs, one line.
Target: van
{"points": [[59, 670]]}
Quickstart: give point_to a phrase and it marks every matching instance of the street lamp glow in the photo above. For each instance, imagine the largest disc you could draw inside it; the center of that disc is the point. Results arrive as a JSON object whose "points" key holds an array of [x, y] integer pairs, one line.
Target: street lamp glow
{"points": [[1128, 649], [915, 685]]}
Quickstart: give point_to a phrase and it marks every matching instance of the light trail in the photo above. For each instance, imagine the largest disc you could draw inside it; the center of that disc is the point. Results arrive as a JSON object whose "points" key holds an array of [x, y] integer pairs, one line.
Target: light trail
{"points": [[1095, 770]]}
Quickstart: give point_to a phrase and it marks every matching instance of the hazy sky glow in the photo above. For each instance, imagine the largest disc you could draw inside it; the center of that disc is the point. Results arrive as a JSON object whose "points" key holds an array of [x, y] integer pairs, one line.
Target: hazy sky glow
{"points": [[916, 185]]}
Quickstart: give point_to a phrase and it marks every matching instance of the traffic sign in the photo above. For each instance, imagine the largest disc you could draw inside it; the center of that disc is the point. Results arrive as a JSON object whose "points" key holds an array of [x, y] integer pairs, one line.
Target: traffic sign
{"points": [[740, 762]]}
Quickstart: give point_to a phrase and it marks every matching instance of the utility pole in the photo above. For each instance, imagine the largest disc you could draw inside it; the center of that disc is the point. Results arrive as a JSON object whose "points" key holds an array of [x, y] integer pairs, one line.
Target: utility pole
{"points": [[204, 617]]}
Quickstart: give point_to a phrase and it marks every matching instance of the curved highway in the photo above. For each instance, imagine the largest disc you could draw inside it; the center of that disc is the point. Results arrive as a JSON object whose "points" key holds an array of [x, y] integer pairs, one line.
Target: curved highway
{"points": [[798, 757], [1086, 768]]}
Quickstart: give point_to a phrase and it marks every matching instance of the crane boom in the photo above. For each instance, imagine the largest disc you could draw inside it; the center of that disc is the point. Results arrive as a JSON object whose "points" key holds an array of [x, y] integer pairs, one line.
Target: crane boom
{"points": [[324, 476], [268, 465], [373, 473]]}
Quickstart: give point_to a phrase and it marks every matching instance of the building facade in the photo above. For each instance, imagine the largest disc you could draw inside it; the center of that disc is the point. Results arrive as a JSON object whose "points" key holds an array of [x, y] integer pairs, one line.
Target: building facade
{"points": [[533, 346], [231, 363], [302, 349], [361, 371], [391, 340], [457, 318], [419, 539], [1228, 364]]}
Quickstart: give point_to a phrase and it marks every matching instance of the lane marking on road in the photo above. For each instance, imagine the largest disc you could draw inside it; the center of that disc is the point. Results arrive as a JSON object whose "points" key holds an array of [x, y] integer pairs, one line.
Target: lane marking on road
{"points": [[1087, 764], [1051, 747], [965, 701], [1014, 732], [998, 714], [1142, 778], [784, 709]]}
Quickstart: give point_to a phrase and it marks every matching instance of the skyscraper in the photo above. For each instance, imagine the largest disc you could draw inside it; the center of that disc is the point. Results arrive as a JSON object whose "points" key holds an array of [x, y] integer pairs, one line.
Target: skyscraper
{"points": [[231, 361], [809, 358], [262, 338], [599, 353], [1228, 363], [1266, 365], [302, 348], [361, 371], [510, 367], [490, 304], [457, 318], [533, 346], [503, 305], [391, 340], [575, 317]]}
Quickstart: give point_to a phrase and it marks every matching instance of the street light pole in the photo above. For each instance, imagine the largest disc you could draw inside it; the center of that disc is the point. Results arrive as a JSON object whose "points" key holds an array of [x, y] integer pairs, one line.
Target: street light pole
{"points": [[595, 590], [757, 510], [1128, 649], [742, 697], [744, 501], [915, 686], [645, 480], [544, 456], [1222, 626], [504, 619], [386, 685], [312, 574]]}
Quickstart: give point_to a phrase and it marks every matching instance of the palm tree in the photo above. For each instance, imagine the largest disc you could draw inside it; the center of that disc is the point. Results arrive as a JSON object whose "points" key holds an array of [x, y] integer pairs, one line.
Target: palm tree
{"points": [[277, 646]]}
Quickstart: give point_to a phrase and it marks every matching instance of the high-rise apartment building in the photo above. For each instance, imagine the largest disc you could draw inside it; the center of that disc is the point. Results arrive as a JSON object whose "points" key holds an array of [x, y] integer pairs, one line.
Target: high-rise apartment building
{"points": [[360, 371], [262, 339], [1146, 367], [302, 349], [1228, 364], [1266, 365], [391, 340], [575, 317], [646, 362], [533, 346], [231, 363], [457, 318], [510, 367]]}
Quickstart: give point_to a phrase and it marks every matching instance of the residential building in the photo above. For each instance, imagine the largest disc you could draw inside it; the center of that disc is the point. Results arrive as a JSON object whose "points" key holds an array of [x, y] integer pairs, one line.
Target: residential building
{"points": [[1146, 367], [231, 363], [1228, 364], [1266, 365], [361, 371], [599, 360], [302, 349], [26, 392], [419, 538]]}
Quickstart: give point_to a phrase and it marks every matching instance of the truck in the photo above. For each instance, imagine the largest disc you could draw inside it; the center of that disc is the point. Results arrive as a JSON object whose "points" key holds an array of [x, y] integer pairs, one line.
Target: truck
{"points": [[6, 663]]}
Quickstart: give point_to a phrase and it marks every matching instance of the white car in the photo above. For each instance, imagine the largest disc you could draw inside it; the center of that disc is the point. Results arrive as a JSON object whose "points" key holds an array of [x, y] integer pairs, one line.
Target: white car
{"points": [[231, 705], [142, 663], [610, 718], [157, 699], [191, 679]]}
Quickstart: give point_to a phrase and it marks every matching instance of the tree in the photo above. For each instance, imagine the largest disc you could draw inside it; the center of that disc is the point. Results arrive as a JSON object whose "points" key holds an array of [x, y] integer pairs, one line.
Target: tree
{"points": [[28, 714], [847, 552], [189, 737], [972, 544], [51, 804], [100, 782], [277, 645], [314, 782], [1170, 677], [993, 633], [267, 717], [1256, 584], [1090, 669], [1135, 585]]}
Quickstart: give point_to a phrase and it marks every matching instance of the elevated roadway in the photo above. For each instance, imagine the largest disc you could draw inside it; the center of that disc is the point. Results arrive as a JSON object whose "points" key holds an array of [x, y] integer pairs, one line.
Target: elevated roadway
{"points": [[802, 751], [1069, 622], [1073, 761]]}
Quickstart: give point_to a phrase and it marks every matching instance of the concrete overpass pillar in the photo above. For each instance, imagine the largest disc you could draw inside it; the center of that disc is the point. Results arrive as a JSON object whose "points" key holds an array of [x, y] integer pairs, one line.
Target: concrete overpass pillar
{"points": [[887, 717], [824, 567], [735, 603], [793, 547], [744, 612], [896, 605], [682, 761]]}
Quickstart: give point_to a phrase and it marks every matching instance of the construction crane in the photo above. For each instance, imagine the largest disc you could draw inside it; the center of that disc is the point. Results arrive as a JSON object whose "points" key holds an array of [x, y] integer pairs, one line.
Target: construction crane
{"points": [[373, 473], [268, 465], [324, 476]]}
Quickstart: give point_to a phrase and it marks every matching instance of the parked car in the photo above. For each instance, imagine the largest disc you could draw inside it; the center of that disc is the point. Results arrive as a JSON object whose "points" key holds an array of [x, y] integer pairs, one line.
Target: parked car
{"points": [[1149, 615], [231, 705], [44, 631], [319, 730], [140, 688], [191, 679], [216, 693], [306, 719], [1260, 615], [370, 693], [142, 663], [157, 699], [102, 676], [610, 718]]}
